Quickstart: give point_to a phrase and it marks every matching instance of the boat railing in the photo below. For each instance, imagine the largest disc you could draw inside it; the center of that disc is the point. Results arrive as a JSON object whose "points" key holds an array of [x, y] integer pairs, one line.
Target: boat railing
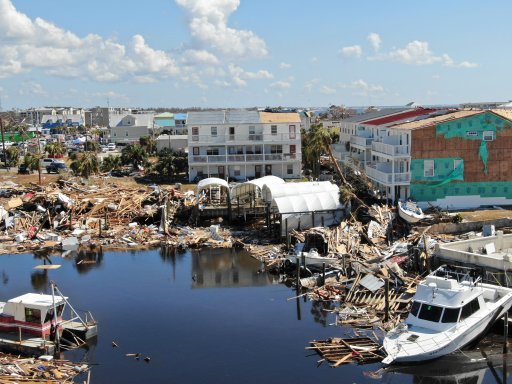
{"points": [[458, 273]]}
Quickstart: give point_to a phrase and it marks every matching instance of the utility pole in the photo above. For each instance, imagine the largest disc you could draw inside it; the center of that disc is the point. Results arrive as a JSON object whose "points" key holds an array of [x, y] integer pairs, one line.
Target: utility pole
{"points": [[2, 131]]}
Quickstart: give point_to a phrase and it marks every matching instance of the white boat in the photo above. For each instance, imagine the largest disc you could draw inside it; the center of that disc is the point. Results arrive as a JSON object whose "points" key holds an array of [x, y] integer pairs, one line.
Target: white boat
{"points": [[410, 212], [312, 257], [450, 310]]}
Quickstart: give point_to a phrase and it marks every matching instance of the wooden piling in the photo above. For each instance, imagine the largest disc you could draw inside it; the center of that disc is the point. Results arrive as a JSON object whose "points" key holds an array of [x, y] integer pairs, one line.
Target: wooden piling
{"points": [[386, 299], [323, 273], [505, 333]]}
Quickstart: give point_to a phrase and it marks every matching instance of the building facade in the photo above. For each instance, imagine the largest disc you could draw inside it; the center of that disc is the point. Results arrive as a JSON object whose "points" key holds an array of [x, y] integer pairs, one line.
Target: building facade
{"points": [[128, 128], [243, 144]]}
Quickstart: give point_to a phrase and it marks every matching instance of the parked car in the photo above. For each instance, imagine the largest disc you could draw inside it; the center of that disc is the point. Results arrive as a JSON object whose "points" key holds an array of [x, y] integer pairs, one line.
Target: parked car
{"points": [[56, 167], [48, 161], [111, 146], [23, 169]]}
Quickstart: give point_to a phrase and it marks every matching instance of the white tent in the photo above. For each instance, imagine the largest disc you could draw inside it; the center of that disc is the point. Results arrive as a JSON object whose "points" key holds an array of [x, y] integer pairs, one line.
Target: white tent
{"points": [[272, 191], [211, 182], [253, 188]]}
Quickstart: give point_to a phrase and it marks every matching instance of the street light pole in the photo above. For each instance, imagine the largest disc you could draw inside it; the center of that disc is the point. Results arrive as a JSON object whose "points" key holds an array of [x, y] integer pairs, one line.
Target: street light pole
{"points": [[3, 142]]}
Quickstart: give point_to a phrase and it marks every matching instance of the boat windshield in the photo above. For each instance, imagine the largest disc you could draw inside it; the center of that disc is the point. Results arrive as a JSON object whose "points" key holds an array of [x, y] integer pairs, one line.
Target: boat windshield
{"points": [[430, 313]]}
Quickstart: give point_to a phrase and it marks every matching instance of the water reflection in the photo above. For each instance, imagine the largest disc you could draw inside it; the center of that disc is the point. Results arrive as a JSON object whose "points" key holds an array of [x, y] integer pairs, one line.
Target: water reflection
{"points": [[321, 310], [88, 259], [214, 268], [468, 367]]}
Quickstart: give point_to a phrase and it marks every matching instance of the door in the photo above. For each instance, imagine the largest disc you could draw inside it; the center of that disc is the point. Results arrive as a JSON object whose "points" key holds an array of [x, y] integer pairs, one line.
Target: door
{"points": [[257, 171], [292, 132], [293, 151], [268, 169], [221, 172]]}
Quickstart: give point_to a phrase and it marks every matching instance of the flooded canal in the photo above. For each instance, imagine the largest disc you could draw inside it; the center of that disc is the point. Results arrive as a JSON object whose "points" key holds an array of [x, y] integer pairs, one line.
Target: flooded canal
{"points": [[207, 316]]}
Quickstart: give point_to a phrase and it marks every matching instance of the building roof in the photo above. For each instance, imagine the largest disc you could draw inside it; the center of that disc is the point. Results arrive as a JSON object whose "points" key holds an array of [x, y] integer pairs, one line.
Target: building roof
{"points": [[414, 114], [37, 300], [428, 122], [279, 117], [141, 120], [164, 115], [374, 115], [180, 116], [223, 117], [505, 113]]}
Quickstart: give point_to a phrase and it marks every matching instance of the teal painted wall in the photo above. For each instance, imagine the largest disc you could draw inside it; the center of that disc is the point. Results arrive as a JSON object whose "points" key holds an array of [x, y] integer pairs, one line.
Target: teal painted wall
{"points": [[484, 189], [473, 127]]}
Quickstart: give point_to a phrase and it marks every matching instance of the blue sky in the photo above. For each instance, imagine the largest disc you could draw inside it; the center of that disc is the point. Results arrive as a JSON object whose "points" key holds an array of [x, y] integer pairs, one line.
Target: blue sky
{"points": [[246, 53]]}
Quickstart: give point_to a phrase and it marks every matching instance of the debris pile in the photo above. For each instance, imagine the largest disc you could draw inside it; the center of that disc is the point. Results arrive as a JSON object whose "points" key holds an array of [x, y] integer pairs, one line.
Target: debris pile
{"points": [[343, 351], [44, 370]]}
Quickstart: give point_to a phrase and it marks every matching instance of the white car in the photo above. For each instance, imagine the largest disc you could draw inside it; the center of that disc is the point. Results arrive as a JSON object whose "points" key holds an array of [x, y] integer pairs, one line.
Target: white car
{"points": [[48, 161], [111, 146]]}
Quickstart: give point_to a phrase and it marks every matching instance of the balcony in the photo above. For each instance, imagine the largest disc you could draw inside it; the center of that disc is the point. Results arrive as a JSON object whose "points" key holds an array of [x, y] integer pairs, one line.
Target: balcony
{"points": [[390, 149], [363, 142], [382, 173], [242, 138], [244, 158]]}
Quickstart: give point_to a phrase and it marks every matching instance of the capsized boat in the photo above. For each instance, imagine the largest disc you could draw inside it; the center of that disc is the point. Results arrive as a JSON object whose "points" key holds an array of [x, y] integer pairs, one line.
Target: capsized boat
{"points": [[410, 212], [451, 309]]}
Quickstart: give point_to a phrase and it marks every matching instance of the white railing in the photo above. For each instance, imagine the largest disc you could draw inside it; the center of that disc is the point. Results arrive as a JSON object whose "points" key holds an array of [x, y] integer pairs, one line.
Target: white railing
{"points": [[246, 137], [243, 158], [361, 141], [388, 178], [391, 150]]}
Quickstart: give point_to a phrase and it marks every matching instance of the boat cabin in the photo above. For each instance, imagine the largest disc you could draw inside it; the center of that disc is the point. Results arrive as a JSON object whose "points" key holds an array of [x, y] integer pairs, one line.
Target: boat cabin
{"points": [[31, 313]]}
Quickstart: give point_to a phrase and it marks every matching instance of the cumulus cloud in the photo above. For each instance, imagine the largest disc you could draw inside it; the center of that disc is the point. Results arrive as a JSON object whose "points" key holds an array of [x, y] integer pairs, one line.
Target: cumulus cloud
{"points": [[208, 24], [419, 53], [240, 75], [196, 56], [363, 88], [326, 90], [281, 84], [285, 65], [32, 88], [375, 40], [351, 51]]}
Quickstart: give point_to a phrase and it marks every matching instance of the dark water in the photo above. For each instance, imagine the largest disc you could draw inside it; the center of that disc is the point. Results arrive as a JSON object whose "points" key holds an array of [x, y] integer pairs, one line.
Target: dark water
{"points": [[202, 317]]}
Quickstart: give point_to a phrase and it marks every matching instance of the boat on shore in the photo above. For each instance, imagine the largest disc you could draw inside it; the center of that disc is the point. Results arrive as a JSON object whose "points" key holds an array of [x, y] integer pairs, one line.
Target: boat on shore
{"points": [[410, 212], [310, 258], [451, 309]]}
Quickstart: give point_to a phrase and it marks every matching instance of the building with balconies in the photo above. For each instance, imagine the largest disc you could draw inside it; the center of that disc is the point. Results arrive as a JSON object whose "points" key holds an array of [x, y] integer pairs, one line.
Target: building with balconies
{"points": [[244, 144]]}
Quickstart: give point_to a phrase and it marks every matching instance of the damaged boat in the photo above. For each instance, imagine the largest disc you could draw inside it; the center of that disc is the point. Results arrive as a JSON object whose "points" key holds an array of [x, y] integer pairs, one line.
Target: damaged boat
{"points": [[451, 309], [410, 212]]}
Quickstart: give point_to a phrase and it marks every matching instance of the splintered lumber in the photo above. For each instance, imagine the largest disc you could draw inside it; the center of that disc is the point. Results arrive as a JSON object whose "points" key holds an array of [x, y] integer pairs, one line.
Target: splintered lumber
{"points": [[339, 351]]}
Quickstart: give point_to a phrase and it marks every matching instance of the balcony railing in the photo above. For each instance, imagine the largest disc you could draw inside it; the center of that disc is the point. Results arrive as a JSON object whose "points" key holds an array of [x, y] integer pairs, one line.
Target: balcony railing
{"points": [[246, 137], [391, 150], [243, 158], [387, 177], [361, 141]]}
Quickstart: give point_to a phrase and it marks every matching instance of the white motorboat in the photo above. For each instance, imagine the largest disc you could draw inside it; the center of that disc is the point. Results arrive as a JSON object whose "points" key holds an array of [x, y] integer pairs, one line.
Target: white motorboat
{"points": [[450, 310], [312, 257], [410, 212]]}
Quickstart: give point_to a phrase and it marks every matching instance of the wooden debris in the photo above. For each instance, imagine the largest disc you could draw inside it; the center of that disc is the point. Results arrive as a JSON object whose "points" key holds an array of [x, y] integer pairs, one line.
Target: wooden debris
{"points": [[344, 351]]}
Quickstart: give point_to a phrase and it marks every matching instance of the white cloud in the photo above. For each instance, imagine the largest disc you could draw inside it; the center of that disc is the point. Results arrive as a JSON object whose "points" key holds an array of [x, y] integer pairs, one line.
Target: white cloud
{"points": [[375, 40], [281, 84], [240, 75], [285, 65], [327, 90], [314, 59], [352, 51], [195, 56], [32, 88], [362, 88], [311, 84], [208, 25], [419, 53]]}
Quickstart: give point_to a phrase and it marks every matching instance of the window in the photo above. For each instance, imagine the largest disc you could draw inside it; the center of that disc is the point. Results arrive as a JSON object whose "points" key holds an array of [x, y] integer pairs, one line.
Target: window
{"points": [[456, 163], [273, 130], [488, 136], [195, 151], [214, 131], [469, 309], [428, 168], [252, 130], [450, 315], [126, 133], [289, 169], [195, 133], [212, 151], [292, 132], [276, 149], [115, 134], [415, 308], [32, 315], [236, 170], [472, 133], [430, 313]]}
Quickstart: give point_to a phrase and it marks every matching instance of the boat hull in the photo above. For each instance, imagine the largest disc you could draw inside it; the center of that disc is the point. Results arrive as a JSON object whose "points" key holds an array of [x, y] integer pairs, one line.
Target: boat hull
{"points": [[408, 215]]}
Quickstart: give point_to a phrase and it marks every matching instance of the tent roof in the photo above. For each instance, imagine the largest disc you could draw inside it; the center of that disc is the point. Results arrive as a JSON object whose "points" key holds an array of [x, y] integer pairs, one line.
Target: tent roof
{"points": [[252, 185], [308, 202], [212, 182], [272, 191]]}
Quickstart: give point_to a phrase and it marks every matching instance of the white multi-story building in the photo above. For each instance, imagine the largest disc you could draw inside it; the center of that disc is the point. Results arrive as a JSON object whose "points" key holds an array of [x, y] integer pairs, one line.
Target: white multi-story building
{"points": [[244, 144], [128, 128]]}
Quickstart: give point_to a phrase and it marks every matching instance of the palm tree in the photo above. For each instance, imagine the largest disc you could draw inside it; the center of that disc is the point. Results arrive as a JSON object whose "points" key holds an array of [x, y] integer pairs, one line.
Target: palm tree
{"points": [[55, 149], [171, 163], [86, 164], [31, 161], [134, 155], [111, 162], [12, 156], [148, 143]]}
